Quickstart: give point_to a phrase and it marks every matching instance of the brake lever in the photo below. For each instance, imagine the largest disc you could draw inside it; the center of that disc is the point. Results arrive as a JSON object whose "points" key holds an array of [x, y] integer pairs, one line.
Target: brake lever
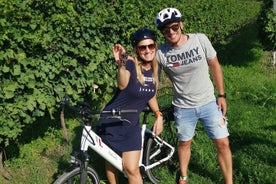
{"points": [[119, 118]]}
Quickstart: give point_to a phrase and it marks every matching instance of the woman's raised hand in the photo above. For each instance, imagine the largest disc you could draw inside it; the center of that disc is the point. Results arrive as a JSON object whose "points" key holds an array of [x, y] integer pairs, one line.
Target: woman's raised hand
{"points": [[119, 54]]}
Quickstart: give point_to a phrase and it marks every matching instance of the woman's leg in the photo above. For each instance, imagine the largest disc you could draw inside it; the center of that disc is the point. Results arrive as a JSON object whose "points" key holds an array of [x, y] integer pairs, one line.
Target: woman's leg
{"points": [[111, 173], [131, 166]]}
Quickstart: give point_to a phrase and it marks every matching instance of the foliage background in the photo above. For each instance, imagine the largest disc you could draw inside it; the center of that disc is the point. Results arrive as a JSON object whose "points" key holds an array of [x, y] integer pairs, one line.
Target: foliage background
{"points": [[267, 25], [55, 47]]}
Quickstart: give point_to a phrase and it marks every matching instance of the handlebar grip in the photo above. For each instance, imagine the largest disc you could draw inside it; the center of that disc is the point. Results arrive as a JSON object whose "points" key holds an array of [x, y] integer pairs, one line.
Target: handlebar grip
{"points": [[83, 104], [65, 101]]}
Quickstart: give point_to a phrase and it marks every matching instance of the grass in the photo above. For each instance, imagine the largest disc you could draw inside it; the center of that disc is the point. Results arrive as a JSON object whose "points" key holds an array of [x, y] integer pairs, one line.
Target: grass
{"points": [[251, 95]]}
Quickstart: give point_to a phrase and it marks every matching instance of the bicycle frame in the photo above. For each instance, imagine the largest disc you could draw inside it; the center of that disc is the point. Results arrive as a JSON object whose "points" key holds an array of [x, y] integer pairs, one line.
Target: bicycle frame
{"points": [[92, 140], [158, 140]]}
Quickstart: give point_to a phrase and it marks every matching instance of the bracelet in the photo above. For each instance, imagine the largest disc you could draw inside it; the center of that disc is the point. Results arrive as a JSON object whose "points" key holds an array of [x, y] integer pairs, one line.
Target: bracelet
{"points": [[158, 113], [123, 63], [120, 62], [124, 56], [222, 95]]}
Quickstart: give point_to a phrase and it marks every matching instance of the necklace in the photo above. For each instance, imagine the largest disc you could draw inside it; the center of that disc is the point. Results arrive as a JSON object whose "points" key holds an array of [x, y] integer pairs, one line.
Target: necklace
{"points": [[146, 67]]}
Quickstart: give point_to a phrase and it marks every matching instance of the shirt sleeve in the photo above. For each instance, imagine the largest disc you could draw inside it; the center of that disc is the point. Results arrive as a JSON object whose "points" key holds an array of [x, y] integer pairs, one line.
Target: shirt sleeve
{"points": [[130, 66], [207, 46]]}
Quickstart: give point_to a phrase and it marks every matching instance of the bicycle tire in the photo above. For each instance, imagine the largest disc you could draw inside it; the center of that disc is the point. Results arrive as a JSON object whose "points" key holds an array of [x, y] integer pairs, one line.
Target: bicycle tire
{"points": [[72, 176], [154, 174]]}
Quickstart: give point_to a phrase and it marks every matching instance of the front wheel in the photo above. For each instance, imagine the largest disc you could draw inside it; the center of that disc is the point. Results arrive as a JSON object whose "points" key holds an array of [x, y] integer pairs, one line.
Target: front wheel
{"points": [[73, 175]]}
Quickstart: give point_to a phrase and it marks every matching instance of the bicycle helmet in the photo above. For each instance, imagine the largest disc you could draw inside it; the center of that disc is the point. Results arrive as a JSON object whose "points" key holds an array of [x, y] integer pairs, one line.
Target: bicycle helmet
{"points": [[166, 16], [141, 34]]}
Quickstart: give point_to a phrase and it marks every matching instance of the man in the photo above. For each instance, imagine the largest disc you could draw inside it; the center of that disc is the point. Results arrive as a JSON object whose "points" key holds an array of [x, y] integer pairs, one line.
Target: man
{"points": [[187, 58]]}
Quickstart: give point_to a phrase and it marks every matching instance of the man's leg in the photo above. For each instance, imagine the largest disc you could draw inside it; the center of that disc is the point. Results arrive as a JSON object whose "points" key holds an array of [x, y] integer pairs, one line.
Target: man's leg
{"points": [[185, 123], [224, 157], [215, 125], [184, 154]]}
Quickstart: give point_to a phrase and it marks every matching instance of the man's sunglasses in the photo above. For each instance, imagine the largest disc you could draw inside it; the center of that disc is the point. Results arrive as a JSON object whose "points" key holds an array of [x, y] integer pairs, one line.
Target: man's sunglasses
{"points": [[143, 48], [174, 27]]}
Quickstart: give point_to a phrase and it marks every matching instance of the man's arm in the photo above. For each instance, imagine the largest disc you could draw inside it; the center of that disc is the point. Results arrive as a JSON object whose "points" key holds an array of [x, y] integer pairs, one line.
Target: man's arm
{"points": [[217, 75]]}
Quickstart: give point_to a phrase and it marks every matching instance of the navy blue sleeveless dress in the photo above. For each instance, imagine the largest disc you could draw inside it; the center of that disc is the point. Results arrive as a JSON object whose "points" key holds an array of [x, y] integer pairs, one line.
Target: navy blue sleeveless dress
{"points": [[120, 135]]}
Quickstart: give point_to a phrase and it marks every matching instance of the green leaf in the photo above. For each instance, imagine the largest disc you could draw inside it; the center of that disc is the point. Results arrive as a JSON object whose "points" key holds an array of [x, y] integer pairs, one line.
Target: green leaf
{"points": [[16, 70], [6, 69], [9, 89], [33, 26]]}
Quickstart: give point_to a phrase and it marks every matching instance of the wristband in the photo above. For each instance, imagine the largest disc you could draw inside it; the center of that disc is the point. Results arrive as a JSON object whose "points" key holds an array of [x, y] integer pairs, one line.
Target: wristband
{"points": [[222, 95], [158, 113]]}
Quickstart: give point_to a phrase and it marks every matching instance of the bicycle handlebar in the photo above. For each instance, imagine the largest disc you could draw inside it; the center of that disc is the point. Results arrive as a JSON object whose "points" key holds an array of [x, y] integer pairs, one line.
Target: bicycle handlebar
{"points": [[83, 108]]}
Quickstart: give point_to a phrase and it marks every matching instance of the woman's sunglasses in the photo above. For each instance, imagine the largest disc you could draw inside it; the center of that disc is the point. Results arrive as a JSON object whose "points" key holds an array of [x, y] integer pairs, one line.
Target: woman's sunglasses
{"points": [[174, 27], [143, 48]]}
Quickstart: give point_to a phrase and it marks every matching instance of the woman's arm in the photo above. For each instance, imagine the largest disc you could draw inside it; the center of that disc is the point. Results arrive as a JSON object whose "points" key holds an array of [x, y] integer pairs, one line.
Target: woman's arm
{"points": [[123, 75], [158, 124]]}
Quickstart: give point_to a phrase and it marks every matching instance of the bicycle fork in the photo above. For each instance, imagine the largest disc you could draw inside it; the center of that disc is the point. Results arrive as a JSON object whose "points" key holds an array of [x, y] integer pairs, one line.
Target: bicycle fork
{"points": [[83, 164]]}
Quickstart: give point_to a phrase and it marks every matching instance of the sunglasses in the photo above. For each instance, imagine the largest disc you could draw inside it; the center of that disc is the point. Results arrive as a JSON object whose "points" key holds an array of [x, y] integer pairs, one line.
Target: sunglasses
{"points": [[174, 27], [143, 48]]}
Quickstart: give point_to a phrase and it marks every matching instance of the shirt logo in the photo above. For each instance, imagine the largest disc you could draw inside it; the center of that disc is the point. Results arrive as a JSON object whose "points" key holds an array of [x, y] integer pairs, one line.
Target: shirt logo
{"points": [[145, 88], [184, 58]]}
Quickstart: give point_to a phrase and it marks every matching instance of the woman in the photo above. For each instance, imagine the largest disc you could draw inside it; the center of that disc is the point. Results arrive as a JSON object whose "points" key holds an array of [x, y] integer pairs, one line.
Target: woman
{"points": [[137, 81]]}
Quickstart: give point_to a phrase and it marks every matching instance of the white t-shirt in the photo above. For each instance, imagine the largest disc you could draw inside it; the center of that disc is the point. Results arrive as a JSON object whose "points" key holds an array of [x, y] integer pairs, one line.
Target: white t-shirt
{"points": [[188, 69]]}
